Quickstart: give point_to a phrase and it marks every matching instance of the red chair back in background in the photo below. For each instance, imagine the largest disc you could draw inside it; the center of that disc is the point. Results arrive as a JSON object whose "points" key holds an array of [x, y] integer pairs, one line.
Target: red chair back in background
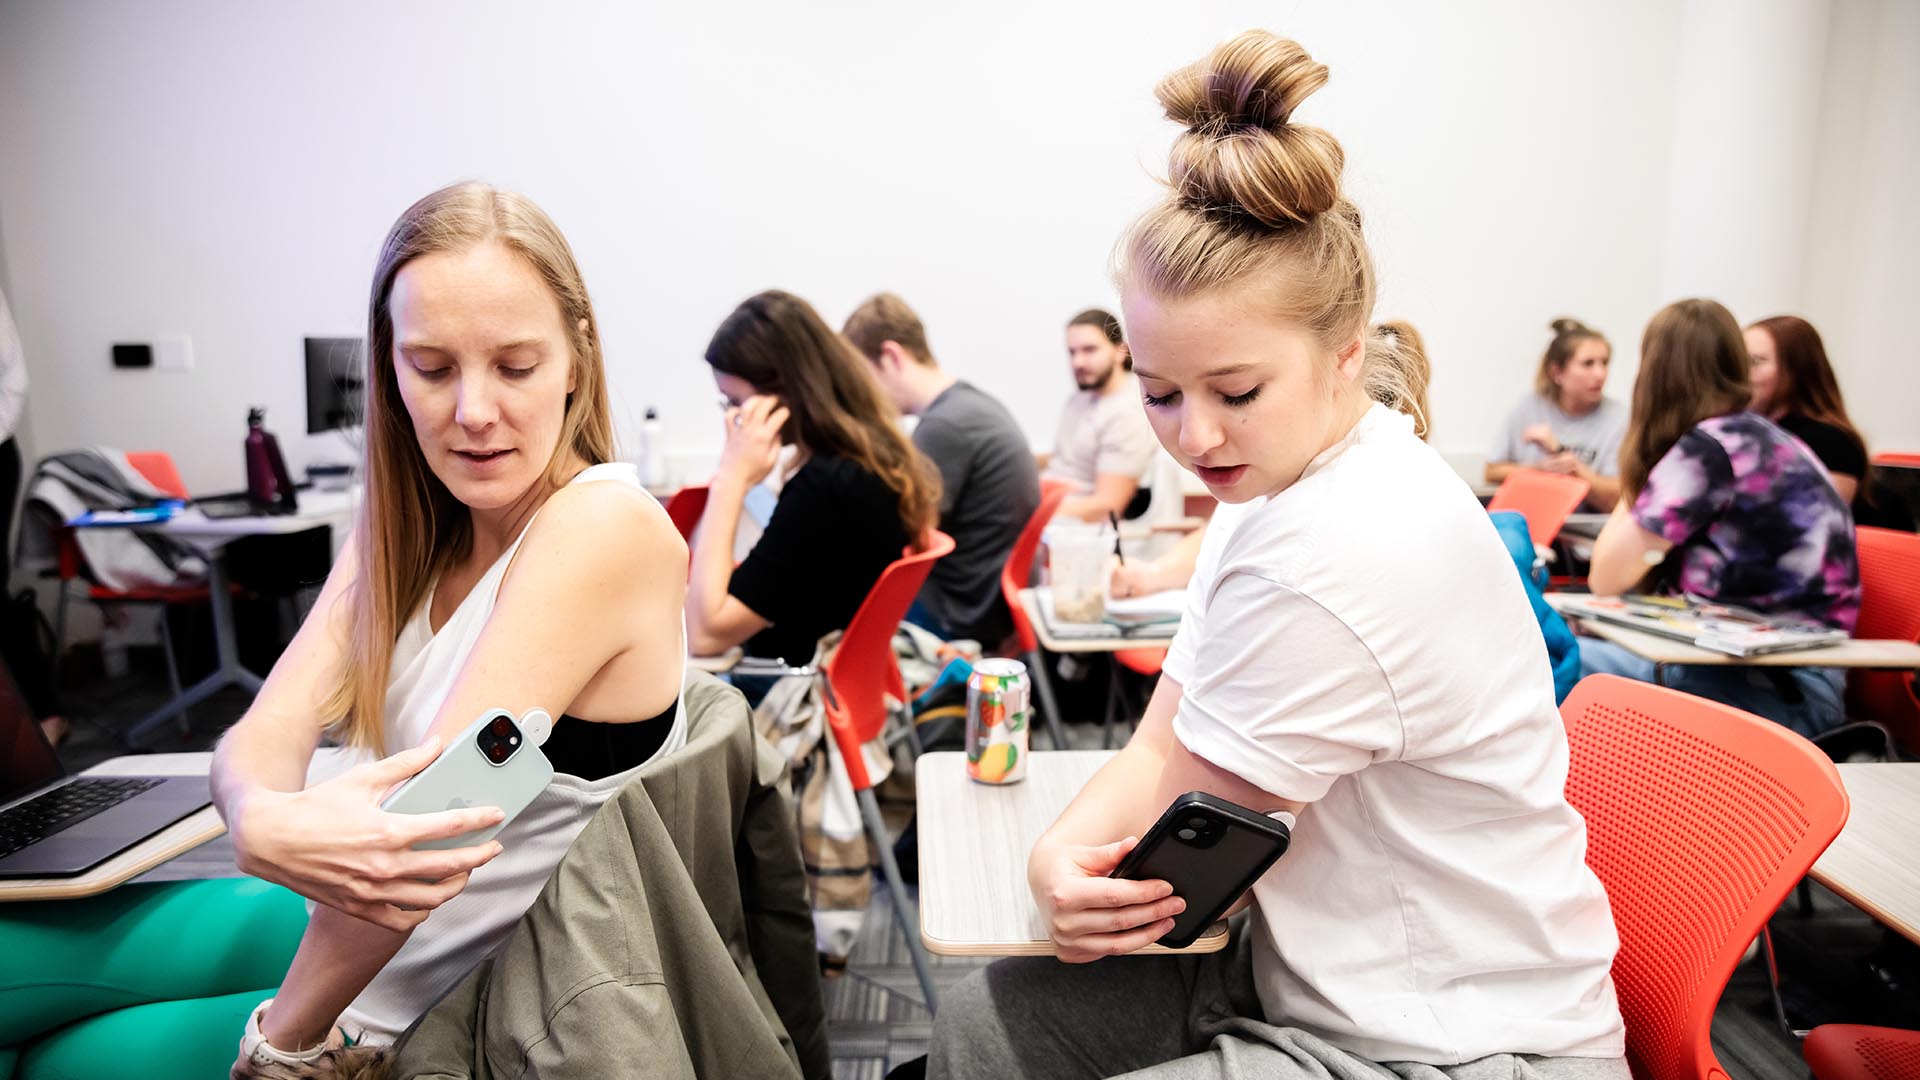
{"points": [[1700, 820], [1889, 608], [685, 507], [1018, 573], [1545, 499]]}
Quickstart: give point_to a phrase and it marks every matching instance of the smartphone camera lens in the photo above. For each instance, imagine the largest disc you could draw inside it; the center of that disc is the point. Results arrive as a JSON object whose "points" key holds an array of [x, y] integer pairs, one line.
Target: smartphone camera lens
{"points": [[501, 725], [1196, 823], [497, 753], [1188, 835]]}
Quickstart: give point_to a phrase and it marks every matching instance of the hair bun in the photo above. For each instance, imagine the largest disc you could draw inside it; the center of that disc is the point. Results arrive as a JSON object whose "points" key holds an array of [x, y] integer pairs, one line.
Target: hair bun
{"points": [[1240, 151], [1565, 325]]}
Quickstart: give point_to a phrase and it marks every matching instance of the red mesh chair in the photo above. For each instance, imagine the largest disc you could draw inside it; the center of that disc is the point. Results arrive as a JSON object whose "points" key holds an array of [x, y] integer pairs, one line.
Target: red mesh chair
{"points": [[1017, 575], [1889, 608], [685, 508], [1700, 819], [1854, 1052], [157, 467], [1545, 499], [857, 680]]}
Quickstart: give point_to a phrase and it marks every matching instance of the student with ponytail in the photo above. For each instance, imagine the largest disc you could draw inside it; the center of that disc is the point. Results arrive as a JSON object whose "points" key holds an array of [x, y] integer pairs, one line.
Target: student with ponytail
{"points": [[1435, 909]]}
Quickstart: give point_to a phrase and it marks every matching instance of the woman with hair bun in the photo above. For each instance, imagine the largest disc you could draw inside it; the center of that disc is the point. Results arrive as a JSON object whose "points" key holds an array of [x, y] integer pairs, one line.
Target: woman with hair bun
{"points": [[1567, 424], [1435, 909]]}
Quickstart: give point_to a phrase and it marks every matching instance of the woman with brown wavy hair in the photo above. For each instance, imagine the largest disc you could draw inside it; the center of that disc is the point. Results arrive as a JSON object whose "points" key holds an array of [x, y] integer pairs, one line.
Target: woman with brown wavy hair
{"points": [[1795, 387], [1724, 505], [855, 495]]}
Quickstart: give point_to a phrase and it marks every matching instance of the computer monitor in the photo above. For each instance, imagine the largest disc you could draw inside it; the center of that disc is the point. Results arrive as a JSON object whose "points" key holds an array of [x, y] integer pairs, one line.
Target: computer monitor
{"points": [[335, 378]]}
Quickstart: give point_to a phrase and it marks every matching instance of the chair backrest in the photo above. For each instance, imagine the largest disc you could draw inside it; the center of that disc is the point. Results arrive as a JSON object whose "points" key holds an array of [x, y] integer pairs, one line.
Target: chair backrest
{"points": [[1889, 608], [1018, 573], [685, 507], [1903, 459], [1543, 498], [1700, 820], [157, 466], [862, 671]]}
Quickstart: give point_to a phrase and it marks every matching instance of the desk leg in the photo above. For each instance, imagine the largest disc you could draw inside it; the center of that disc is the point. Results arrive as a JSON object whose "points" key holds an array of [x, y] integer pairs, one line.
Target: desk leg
{"points": [[1659, 674], [1043, 686], [226, 646]]}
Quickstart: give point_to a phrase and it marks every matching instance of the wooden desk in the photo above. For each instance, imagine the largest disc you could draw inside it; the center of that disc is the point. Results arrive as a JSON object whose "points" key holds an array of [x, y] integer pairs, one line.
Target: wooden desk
{"points": [[180, 837], [1030, 603], [1874, 863], [974, 840], [1855, 653]]}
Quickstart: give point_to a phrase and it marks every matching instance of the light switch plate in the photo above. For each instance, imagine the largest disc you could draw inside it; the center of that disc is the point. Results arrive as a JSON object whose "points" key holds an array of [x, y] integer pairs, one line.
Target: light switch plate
{"points": [[173, 352]]}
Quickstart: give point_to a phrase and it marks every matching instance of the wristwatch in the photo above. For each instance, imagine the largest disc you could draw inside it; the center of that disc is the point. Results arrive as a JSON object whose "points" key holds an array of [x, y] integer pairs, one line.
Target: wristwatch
{"points": [[255, 1048]]}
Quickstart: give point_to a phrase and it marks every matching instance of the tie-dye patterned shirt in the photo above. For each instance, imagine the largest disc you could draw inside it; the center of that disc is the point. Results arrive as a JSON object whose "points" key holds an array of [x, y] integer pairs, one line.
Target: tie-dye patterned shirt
{"points": [[1754, 521]]}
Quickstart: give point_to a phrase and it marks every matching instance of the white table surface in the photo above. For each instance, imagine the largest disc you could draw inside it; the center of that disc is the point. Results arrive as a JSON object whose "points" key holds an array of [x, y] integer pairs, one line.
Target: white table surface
{"points": [[1874, 863], [974, 840]]}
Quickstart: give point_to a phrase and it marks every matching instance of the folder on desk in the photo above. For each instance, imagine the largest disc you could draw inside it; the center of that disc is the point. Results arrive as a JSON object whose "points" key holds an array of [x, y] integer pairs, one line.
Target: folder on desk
{"points": [[131, 515]]}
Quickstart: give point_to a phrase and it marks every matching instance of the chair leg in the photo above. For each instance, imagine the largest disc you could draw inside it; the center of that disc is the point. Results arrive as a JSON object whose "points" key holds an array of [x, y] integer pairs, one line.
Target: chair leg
{"points": [[59, 634], [1111, 720], [902, 911], [1043, 686], [173, 671], [1773, 985], [913, 732]]}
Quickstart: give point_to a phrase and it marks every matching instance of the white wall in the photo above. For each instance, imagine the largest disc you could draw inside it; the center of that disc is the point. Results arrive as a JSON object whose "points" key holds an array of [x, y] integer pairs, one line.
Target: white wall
{"points": [[227, 170]]}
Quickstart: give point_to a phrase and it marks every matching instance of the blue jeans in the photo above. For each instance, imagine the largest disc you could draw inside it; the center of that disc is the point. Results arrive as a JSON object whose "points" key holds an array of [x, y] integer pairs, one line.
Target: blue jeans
{"points": [[1806, 700]]}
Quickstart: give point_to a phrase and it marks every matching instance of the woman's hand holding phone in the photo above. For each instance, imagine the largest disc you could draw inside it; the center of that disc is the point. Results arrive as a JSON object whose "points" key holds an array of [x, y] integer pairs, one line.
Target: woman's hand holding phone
{"points": [[333, 844], [1089, 914]]}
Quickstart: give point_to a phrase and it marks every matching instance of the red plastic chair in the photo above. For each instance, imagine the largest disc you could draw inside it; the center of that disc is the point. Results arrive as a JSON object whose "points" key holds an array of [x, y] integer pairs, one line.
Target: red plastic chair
{"points": [[1545, 499], [857, 680], [1856, 1052], [685, 508], [1700, 819], [157, 467], [1889, 608], [1898, 459], [1017, 575]]}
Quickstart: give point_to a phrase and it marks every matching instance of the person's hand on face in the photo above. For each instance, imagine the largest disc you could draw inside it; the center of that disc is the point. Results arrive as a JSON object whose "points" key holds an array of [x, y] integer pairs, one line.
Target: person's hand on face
{"points": [[753, 440]]}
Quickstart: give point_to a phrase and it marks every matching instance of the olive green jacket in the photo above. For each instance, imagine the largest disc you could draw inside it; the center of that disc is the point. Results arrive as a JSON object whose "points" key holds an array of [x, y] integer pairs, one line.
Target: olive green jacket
{"points": [[674, 939]]}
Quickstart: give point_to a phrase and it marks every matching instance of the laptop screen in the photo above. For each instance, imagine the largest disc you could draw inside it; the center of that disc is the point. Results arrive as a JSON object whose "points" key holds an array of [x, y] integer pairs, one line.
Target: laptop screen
{"points": [[26, 761]]}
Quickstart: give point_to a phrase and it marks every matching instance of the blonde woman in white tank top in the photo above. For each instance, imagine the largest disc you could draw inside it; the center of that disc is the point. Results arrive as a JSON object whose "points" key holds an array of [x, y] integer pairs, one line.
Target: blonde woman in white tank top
{"points": [[501, 561]]}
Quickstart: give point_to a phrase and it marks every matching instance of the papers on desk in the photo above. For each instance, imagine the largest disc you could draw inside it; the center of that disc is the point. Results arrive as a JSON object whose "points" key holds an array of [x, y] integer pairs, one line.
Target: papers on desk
{"points": [[1156, 615], [1722, 628]]}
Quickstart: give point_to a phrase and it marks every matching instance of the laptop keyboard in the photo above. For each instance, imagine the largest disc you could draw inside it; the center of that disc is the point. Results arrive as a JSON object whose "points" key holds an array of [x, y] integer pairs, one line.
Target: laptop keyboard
{"points": [[72, 802]]}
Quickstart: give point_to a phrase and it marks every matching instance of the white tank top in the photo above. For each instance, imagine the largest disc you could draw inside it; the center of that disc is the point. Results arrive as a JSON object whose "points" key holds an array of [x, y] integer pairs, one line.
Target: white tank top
{"points": [[473, 924]]}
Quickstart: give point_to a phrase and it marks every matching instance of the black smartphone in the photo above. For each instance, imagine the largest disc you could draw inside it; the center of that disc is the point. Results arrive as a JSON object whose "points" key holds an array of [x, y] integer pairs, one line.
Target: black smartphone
{"points": [[1211, 851]]}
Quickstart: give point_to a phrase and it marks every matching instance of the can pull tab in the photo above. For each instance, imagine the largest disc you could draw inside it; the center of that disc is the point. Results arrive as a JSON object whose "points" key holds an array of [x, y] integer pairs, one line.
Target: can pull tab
{"points": [[536, 725]]}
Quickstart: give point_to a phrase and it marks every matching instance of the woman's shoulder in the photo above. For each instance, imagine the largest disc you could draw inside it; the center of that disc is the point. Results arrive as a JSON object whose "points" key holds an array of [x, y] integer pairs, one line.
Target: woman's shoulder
{"points": [[604, 521]]}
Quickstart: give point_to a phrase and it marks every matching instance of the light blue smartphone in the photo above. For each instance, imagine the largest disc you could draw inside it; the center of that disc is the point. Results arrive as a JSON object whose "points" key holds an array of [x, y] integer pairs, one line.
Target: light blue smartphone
{"points": [[495, 761]]}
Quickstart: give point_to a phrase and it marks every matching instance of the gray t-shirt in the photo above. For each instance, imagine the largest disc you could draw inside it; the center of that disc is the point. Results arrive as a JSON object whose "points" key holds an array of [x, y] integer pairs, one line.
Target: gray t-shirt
{"points": [[1594, 438], [1103, 433], [989, 487]]}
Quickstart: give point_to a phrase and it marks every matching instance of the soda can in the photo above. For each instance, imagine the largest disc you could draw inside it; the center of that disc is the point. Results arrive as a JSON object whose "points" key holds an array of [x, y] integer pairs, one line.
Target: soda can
{"points": [[998, 713]]}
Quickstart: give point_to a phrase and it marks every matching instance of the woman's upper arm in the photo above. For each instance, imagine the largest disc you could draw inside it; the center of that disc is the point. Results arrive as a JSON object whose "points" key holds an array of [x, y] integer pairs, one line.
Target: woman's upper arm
{"points": [[732, 625], [1847, 486], [600, 576]]}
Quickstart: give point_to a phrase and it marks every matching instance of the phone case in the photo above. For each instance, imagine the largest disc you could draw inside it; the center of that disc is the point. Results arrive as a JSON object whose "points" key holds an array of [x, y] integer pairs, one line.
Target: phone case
{"points": [[462, 776], [1214, 867]]}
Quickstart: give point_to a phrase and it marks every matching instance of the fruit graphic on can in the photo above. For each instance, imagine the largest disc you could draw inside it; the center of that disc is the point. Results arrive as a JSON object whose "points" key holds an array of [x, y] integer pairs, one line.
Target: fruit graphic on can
{"points": [[997, 721]]}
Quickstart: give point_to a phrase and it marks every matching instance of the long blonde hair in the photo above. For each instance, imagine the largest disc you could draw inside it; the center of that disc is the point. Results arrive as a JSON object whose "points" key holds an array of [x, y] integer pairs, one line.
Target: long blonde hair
{"points": [[411, 527], [1255, 202]]}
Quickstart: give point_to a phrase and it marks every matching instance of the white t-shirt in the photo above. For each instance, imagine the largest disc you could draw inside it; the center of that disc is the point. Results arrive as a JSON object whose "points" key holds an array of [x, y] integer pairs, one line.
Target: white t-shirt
{"points": [[1103, 434], [1360, 642]]}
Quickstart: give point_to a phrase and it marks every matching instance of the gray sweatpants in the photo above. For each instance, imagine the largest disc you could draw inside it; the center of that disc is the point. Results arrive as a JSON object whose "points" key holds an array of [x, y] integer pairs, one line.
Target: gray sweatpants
{"points": [[1165, 1018]]}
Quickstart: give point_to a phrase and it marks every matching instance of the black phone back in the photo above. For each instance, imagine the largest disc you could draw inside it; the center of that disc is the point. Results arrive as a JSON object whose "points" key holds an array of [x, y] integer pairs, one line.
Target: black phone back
{"points": [[1211, 851]]}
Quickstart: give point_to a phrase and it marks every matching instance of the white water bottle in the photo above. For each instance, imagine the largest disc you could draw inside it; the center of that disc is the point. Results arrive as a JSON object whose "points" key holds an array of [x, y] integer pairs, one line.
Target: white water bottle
{"points": [[653, 465]]}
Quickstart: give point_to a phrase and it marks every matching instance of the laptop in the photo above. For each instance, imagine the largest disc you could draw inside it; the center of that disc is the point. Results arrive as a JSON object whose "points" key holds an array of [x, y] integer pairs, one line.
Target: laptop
{"points": [[53, 825]]}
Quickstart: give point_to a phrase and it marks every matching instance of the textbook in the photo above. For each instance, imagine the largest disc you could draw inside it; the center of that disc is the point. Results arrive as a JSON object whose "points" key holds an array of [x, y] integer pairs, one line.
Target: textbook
{"points": [[1723, 628]]}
